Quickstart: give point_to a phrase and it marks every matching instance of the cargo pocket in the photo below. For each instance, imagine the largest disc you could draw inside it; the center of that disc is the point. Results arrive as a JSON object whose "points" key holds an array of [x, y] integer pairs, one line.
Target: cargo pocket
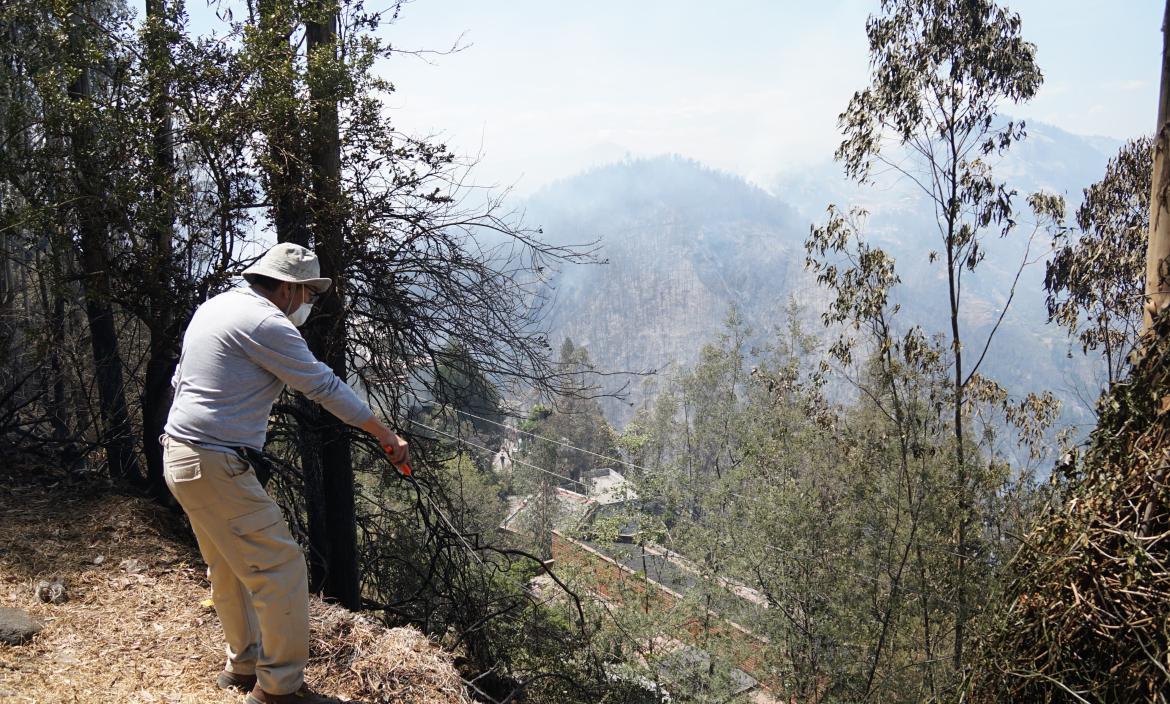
{"points": [[263, 539]]}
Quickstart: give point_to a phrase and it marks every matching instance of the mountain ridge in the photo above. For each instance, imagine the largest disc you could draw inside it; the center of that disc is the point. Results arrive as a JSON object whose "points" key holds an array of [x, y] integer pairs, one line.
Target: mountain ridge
{"points": [[684, 243]]}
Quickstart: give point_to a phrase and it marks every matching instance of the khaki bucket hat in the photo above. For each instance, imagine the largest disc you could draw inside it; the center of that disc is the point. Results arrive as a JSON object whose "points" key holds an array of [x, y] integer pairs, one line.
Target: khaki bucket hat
{"points": [[293, 263]]}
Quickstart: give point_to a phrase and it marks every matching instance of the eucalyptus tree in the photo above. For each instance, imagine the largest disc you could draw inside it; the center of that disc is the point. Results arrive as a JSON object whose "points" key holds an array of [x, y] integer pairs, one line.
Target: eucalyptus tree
{"points": [[1094, 279], [860, 278], [940, 70], [1157, 289], [899, 482]]}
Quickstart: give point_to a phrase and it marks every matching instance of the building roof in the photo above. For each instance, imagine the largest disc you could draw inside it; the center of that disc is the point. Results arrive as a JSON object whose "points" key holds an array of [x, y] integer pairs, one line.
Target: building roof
{"points": [[607, 486], [572, 508]]}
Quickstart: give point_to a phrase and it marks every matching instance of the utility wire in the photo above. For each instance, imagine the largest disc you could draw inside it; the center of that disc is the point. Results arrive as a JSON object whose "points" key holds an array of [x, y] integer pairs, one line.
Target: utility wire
{"points": [[492, 452], [753, 500], [555, 442], [937, 547], [931, 545]]}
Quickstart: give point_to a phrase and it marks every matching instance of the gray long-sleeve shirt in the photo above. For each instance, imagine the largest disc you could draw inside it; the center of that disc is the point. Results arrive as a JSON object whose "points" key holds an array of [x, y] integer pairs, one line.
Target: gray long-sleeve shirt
{"points": [[238, 353]]}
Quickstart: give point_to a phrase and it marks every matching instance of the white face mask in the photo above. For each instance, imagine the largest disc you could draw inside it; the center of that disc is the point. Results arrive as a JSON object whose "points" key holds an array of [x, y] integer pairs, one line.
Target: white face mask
{"points": [[300, 315]]}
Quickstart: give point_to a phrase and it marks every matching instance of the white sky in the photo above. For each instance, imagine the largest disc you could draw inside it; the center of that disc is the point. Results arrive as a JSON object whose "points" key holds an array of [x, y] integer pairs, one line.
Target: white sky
{"points": [[546, 88]]}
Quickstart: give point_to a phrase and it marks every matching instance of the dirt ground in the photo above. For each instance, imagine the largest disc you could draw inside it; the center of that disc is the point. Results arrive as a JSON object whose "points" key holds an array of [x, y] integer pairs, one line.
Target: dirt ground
{"points": [[134, 628]]}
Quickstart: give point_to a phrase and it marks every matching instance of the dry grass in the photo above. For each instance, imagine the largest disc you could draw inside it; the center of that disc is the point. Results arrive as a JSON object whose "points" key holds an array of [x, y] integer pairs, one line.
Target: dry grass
{"points": [[133, 629], [1086, 615]]}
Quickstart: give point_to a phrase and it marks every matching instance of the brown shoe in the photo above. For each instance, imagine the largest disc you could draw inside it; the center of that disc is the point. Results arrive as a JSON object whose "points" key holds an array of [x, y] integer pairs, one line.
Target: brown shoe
{"points": [[231, 680], [304, 695]]}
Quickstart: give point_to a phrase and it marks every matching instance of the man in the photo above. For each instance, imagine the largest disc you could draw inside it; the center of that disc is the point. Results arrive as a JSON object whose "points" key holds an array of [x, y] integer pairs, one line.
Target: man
{"points": [[240, 350]]}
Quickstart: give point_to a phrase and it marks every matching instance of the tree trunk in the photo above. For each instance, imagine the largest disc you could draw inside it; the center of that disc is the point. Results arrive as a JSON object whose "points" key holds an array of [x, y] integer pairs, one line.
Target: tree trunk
{"points": [[283, 130], [953, 293], [309, 441], [53, 302], [164, 338], [329, 329], [1158, 249], [117, 437], [284, 178]]}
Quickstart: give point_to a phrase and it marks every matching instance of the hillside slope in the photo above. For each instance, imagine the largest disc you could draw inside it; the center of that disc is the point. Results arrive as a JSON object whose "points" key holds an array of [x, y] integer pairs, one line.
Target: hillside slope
{"points": [[133, 628], [683, 244]]}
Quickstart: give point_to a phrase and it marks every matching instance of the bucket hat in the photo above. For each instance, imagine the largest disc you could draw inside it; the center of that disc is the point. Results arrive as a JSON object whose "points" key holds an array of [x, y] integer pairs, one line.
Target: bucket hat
{"points": [[292, 263]]}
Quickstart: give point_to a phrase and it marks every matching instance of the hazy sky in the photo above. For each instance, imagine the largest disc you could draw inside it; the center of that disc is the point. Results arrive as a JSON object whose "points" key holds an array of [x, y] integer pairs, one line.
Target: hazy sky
{"points": [[545, 88]]}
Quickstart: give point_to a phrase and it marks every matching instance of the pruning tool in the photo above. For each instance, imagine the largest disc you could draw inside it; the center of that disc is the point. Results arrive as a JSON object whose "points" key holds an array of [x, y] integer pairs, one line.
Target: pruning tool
{"points": [[406, 471], [404, 467]]}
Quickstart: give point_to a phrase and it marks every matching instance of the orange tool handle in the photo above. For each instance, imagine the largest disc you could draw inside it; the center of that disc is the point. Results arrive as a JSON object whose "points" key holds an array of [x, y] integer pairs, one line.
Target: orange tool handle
{"points": [[404, 467]]}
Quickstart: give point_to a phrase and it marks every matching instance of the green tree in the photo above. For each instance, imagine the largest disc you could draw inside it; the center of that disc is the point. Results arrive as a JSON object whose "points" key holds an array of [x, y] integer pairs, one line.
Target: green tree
{"points": [[534, 480], [1094, 279], [940, 70], [897, 433], [461, 385], [573, 423], [579, 421]]}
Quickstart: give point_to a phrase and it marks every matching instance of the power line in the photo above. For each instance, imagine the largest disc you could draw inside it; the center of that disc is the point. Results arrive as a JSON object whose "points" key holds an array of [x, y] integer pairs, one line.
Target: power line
{"points": [[936, 547], [492, 452], [555, 442], [806, 559], [905, 589]]}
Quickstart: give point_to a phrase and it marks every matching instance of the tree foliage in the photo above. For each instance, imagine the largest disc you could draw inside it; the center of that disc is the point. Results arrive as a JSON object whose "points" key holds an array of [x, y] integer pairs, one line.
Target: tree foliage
{"points": [[141, 166], [836, 517], [1094, 279], [940, 70]]}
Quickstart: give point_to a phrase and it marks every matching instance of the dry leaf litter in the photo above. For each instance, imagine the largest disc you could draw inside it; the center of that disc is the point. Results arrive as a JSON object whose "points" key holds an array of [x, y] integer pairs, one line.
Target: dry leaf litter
{"points": [[134, 629]]}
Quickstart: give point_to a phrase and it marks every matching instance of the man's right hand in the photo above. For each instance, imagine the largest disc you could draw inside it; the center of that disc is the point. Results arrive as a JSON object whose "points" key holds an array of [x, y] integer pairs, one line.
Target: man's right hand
{"points": [[395, 447]]}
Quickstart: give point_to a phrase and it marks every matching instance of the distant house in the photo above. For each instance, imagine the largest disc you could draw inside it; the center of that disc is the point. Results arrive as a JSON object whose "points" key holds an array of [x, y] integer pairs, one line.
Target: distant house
{"points": [[662, 578], [607, 487], [685, 662], [608, 494], [573, 510]]}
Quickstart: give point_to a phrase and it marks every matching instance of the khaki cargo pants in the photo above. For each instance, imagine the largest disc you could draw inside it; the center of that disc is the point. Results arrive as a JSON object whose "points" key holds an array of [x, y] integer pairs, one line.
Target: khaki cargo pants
{"points": [[258, 576]]}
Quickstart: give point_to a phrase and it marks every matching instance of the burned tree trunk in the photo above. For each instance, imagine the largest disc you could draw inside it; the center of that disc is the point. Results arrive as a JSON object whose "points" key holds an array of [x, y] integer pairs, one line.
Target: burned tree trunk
{"points": [[117, 437], [285, 184], [328, 335], [160, 317]]}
